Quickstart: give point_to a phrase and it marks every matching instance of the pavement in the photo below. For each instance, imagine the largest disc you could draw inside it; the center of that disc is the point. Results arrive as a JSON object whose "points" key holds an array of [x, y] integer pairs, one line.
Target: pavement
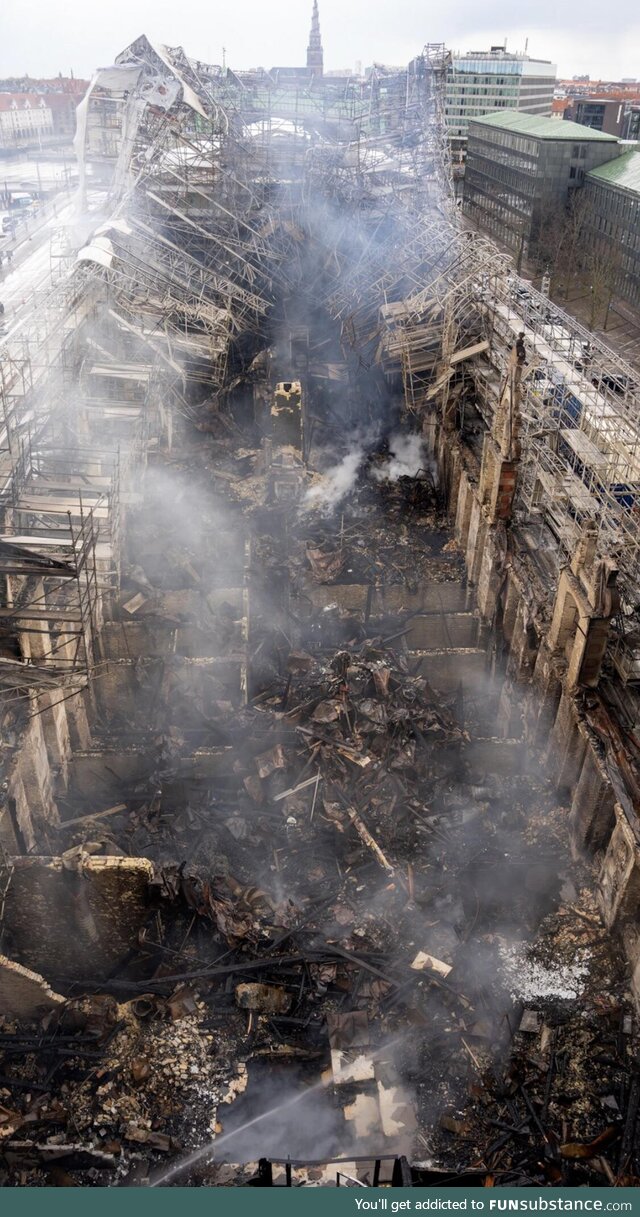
{"points": [[622, 329], [622, 332], [36, 256], [30, 269], [23, 283], [30, 230]]}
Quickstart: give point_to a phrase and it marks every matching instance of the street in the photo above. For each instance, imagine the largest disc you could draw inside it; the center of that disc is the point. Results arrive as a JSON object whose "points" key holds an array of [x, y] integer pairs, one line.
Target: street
{"points": [[37, 256], [38, 173]]}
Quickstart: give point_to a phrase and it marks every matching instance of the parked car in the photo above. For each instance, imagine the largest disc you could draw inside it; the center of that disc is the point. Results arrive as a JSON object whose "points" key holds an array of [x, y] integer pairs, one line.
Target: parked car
{"points": [[21, 200]]}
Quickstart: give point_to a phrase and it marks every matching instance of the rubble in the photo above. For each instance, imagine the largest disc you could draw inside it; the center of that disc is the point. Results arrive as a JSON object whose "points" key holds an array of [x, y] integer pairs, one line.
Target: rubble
{"points": [[350, 777], [293, 824], [24, 994]]}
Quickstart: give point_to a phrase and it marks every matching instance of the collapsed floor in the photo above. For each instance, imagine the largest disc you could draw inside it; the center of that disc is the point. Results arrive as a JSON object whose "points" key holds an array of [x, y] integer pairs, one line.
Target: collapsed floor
{"points": [[346, 895], [306, 717]]}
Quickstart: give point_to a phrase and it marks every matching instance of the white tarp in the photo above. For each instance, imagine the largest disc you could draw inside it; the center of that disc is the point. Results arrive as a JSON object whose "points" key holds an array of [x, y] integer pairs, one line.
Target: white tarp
{"points": [[117, 79], [99, 250], [189, 97]]}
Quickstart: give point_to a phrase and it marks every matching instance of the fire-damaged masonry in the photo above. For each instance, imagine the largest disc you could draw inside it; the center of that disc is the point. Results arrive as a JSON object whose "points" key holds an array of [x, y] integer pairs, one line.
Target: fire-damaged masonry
{"points": [[320, 652]]}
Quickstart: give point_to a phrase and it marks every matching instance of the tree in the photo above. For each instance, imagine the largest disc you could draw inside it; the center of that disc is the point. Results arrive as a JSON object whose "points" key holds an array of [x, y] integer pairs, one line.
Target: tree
{"points": [[552, 234], [602, 266], [561, 239], [579, 255]]}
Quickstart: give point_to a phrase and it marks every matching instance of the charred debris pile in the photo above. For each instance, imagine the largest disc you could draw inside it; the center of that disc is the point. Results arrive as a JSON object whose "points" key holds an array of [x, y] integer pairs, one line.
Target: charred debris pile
{"points": [[286, 851], [346, 870]]}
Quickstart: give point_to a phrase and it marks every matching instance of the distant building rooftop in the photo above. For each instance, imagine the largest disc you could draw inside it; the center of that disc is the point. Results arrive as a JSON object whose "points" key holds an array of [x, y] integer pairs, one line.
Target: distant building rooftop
{"points": [[541, 128], [501, 63], [619, 90], [623, 172], [499, 53], [605, 101], [22, 101]]}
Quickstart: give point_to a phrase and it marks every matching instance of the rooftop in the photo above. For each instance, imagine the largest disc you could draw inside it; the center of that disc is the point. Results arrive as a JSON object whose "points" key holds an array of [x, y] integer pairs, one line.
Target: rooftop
{"points": [[21, 101], [623, 172], [540, 128], [499, 53], [589, 97]]}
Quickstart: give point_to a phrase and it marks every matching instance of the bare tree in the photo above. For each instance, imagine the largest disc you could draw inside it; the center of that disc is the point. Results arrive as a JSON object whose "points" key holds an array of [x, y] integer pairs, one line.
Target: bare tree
{"points": [[602, 266], [561, 243], [550, 240], [579, 256]]}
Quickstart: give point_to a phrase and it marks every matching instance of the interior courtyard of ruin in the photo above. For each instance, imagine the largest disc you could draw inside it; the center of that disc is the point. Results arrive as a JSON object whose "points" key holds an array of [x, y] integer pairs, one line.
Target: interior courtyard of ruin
{"points": [[320, 651]]}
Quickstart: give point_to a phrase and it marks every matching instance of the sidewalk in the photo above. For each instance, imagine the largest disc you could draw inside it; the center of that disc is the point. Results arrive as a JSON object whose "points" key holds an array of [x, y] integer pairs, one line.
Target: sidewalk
{"points": [[25, 241], [623, 322], [623, 326]]}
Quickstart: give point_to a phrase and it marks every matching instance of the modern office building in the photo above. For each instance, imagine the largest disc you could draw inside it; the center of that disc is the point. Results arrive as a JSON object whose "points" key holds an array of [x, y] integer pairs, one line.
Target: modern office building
{"points": [[521, 170], [599, 113], [482, 81], [612, 192], [631, 126]]}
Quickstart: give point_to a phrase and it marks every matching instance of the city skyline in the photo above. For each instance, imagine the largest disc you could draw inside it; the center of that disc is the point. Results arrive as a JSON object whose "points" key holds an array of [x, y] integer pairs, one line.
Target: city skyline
{"points": [[255, 34]]}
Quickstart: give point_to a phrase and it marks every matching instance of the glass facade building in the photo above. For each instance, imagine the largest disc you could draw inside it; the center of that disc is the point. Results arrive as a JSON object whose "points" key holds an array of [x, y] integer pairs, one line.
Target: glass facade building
{"points": [[521, 171], [602, 114], [612, 195], [478, 83]]}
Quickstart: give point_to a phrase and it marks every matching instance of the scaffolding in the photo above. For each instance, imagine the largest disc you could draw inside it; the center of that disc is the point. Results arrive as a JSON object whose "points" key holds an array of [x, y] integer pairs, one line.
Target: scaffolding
{"points": [[218, 189], [64, 483], [51, 618], [228, 192], [580, 437]]}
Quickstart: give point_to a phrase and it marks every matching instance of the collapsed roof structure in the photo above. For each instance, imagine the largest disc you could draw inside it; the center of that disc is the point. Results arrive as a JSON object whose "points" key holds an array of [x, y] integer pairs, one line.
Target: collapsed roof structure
{"points": [[235, 432]]}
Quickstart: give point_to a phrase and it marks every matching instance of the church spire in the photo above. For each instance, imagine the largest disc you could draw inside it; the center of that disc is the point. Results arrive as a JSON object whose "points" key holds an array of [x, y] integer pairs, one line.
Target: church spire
{"points": [[314, 49]]}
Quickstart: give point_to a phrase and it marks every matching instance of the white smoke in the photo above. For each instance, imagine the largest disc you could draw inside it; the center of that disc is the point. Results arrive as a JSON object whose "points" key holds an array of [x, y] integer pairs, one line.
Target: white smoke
{"points": [[406, 460], [336, 482]]}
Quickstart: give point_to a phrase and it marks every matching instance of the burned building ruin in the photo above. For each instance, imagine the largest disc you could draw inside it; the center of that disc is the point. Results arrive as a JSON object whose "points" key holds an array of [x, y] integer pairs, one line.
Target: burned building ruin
{"points": [[320, 660]]}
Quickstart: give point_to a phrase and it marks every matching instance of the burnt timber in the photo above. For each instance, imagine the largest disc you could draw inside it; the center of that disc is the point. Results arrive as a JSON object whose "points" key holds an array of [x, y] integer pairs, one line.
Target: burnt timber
{"points": [[319, 665]]}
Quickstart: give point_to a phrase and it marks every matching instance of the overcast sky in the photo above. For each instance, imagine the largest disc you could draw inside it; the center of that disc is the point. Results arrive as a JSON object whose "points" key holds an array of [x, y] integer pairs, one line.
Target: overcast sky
{"points": [[44, 37]]}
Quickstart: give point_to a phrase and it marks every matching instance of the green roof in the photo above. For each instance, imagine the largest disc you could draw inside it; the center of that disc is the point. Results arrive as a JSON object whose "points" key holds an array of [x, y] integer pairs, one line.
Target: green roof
{"points": [[623, 172], [541, 128]]}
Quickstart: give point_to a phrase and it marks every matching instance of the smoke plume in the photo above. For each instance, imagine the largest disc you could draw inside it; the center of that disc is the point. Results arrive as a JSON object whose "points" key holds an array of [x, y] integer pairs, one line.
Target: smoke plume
{"points": [[406, 459], [337, 482]]}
